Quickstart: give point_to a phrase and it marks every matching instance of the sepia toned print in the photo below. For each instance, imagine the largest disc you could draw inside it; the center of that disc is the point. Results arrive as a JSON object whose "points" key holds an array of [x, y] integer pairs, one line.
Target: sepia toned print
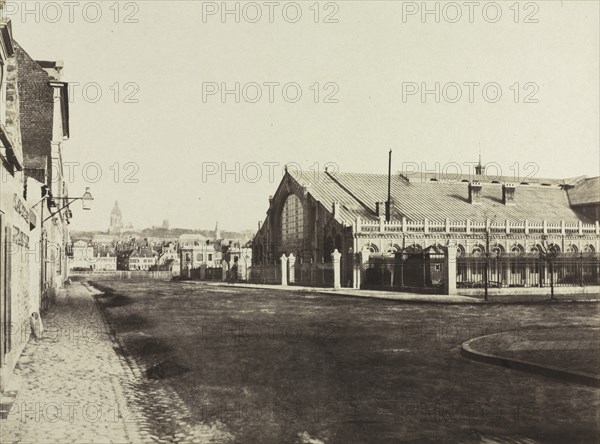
{"points": [[305, 222]]}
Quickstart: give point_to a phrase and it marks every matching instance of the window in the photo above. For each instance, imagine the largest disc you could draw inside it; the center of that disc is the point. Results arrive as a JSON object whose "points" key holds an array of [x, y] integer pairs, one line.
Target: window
{"points": [[478, 250], [517, 249], [292, 224], [497, 250]]}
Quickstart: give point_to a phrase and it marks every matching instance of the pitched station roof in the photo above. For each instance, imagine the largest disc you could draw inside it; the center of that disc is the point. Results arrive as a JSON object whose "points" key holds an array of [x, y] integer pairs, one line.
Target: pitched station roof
{"points": [[585, 192], [437, 200]]}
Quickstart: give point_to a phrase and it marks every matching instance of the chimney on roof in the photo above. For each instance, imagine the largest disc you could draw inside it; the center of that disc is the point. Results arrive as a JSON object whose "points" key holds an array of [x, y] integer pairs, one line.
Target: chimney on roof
{"points": [[380, 208], [479, 169], [336, 209], [508, 193], [475, 193]]}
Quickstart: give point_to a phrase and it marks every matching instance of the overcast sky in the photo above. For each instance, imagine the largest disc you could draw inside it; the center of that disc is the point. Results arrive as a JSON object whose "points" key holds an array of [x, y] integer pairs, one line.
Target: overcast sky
{"points": [[171, 56]]}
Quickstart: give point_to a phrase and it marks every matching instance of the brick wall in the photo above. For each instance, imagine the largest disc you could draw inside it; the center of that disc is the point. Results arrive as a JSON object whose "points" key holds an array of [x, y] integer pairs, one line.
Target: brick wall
{"points": [[36, 110]]}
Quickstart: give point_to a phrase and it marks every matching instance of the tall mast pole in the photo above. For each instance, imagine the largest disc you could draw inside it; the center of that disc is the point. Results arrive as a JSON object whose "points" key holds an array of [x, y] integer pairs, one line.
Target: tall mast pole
{"points": [[388, 204]]}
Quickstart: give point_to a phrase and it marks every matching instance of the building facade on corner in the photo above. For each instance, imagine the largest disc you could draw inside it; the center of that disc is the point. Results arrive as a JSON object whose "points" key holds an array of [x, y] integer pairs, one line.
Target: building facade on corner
{"points": [[311, 215]]}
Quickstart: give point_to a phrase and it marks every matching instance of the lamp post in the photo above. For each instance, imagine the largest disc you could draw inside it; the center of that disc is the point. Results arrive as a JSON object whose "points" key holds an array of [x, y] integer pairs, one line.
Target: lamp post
{"points": [[550, 252], [47, 195], [86, 200]]}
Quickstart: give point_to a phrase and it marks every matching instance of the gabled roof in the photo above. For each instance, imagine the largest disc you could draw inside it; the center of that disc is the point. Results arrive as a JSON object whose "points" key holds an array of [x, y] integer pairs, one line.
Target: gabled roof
{"points": [[142, 253], [358, 193], [585, 192]]}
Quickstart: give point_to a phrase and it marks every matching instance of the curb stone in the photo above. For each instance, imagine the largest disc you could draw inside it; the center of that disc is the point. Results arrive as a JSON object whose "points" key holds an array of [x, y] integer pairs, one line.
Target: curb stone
{"points": [[545, 370]]}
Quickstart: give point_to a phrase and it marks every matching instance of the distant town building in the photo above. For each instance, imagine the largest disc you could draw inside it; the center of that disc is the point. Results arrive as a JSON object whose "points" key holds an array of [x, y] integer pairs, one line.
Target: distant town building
{"points": [[238, 258], [105, 262], [142, 259], [82, 256], [193, 257], [89, 256], [168, 259]]}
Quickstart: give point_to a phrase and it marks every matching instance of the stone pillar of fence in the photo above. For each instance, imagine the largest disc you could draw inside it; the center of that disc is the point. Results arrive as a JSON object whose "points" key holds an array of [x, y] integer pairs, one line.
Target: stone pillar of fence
{"points": [[291, 269], [335, 258], [363, 259], [356, 269], [284, 261], [224, 268], [450, 278], [203, 272], [246, 274]]}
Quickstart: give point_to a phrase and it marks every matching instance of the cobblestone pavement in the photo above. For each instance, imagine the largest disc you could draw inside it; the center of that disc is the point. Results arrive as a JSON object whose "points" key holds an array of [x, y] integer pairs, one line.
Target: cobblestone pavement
{"points": [[80, 385], [74, 387]]}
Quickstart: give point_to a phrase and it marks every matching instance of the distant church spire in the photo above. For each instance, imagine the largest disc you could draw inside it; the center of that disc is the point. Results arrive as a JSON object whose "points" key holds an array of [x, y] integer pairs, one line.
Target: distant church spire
{"points": [[217, 232], [116, 220]]}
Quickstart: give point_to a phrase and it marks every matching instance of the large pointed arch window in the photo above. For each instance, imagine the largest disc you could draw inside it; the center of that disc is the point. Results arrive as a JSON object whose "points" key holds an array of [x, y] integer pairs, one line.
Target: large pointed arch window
{"points": [[292, 225]]}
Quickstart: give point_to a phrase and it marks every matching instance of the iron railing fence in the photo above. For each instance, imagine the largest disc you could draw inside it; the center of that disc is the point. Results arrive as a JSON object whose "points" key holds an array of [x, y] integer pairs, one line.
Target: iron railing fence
{"points": [[214, 274], [528, 270], [265, 274], [313, 274], [421, 272]]}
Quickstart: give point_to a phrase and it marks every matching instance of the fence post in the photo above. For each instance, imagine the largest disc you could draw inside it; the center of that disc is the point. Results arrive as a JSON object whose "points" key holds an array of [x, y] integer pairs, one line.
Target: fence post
{"points": [[203, 272], [450, 281], [224, 268], [356, 269], [581, 270], [363, 259], [291, 269], [542, 270], [284, 261], [335, 256]]}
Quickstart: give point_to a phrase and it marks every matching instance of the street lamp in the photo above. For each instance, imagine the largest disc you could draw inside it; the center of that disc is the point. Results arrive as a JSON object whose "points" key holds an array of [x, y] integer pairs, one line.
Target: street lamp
{"points": [[86, 200]]}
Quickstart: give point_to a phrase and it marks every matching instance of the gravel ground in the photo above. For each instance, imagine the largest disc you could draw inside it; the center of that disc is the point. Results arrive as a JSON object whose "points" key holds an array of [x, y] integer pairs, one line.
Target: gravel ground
{"points": [[260, 366]]}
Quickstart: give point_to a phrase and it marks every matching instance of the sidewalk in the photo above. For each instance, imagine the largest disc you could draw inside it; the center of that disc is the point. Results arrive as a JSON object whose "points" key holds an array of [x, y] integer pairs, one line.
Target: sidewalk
{"points": [[73, 385], [571, 354], [372, 294], [411, 297]]}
